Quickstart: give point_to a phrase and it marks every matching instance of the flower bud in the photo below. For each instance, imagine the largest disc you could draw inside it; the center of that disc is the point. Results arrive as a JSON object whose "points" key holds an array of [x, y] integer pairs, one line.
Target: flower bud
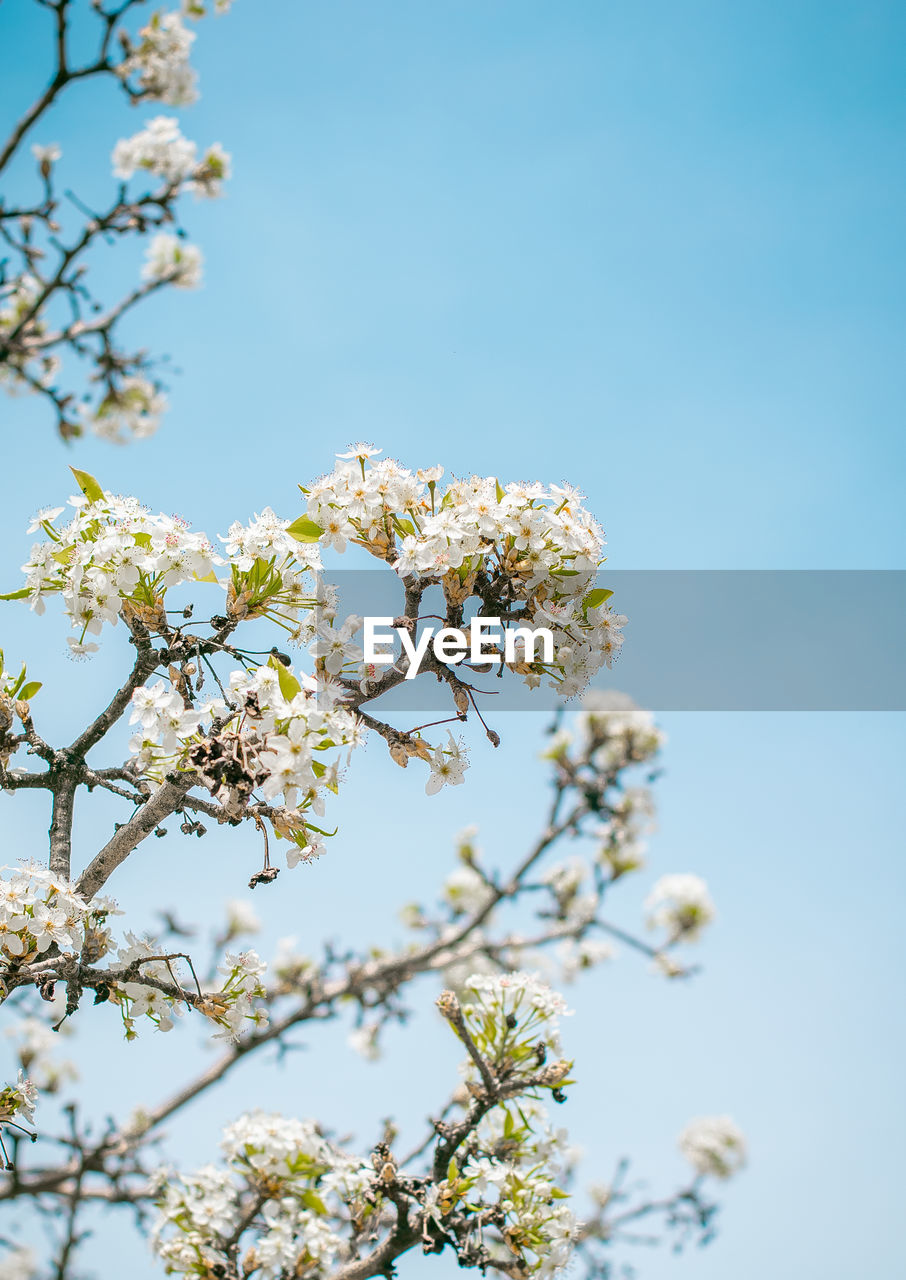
{"points": [[448, 1005]]}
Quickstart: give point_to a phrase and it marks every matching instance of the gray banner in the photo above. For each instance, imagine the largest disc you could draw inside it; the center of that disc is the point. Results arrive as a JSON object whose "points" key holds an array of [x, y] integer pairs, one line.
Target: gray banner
{"points": [[748, 640]]}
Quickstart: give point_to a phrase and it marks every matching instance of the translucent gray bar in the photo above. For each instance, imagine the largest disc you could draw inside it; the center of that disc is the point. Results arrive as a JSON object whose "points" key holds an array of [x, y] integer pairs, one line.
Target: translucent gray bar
{"points": [[710, 640]]}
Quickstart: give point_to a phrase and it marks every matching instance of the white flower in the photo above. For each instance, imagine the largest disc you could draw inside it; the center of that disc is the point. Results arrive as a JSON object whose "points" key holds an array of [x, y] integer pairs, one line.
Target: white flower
{"points": [[713, 1145], [335, 647], [47, 154], [160, 60], [680, 904], [550, 554], [466, 891], [448, 767], [214, 168], [241, 918], [161, 150], [510, 992], [168, 258], [576, 956], [360, 451], [46, 514], [131, 411], [19, 1264], [364, 1040]]}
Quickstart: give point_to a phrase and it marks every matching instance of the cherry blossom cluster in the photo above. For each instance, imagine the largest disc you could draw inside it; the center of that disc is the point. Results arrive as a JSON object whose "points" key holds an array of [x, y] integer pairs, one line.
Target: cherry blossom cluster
{"points": [[18, 1100], [52, 322], [40, 911], [272, 732], [19, 1263], [286, 1201], [511, 1164], [271, 566], [159, 61], [538, 1227], [520, 1192], [525, 549], [168, 259], [42, 916], [714, 1146], [614, 732], [508, 1013], [235, 1004], [112, 555], [283, 1180], [132, 411], [161, 150], [681, 905], [22, 371], [17, 1104]]}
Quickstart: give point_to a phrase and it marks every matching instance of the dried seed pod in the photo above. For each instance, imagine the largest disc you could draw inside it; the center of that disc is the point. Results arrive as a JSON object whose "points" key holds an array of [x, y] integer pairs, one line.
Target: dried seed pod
{"points": [[399, 753]]}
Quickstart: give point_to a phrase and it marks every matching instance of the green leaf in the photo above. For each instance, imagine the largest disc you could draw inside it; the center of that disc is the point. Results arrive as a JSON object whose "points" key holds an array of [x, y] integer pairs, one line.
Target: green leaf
{"points": [[501, 492], [16, 595], [289, 685], [305, 530], [596, 597], [452, 1170], [557, 1194], [312, 1200], [208, 577], [310, 826], [28, 691], [509, 1125], [89, 486]]}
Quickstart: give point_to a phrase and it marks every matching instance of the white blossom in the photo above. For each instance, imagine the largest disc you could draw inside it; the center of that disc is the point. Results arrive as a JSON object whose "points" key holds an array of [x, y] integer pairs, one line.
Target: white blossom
{"points": [[39, 909], [545, 545], [169, 258], [19, 1263], [680, 904], [131, 411], [364, 1040], [160, 60], [576, 956], [448, 766], [241, 918], [713, 1145], [46, 154], [161, 150], [467, 891]]}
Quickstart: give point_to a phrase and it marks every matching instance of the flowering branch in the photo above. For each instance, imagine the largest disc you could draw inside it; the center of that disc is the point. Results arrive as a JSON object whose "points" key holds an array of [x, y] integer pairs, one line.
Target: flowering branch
{"points": [[490, 1182], [49, 315]]}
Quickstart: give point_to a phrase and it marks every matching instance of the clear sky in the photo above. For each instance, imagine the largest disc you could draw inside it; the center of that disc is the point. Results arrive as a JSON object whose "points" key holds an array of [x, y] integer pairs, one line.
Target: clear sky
{"points": [[652, 248]]}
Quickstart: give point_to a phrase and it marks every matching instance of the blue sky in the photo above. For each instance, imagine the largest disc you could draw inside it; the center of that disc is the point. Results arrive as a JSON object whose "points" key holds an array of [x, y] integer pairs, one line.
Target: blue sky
{"points": [[651, 248]]}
